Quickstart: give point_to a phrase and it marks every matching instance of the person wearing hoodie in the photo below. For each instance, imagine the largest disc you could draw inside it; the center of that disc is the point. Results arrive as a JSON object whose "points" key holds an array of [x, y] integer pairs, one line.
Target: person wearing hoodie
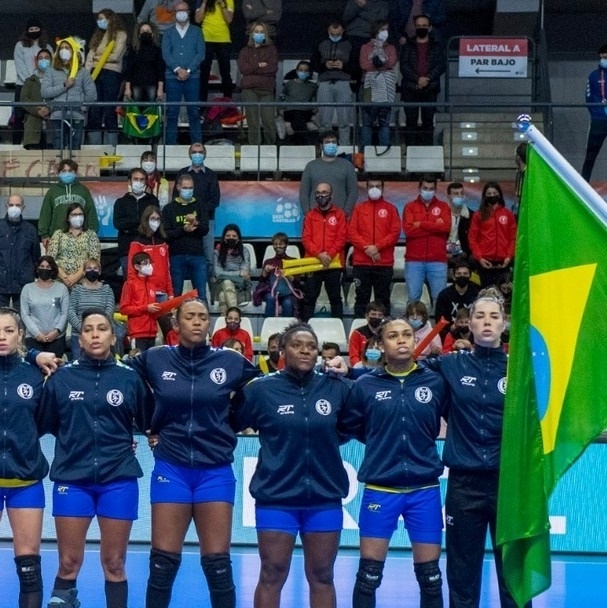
{"points": [[67, 82], [53, 212], [34, 138]]}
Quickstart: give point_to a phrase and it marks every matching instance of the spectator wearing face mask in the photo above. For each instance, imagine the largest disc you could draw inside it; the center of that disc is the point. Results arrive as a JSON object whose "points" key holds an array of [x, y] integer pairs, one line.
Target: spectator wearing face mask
{"points": [[324, 237], [338, 172], [459, 337], [416, 314], [233, 330], [128, 210], [456, 297], [299, 88], [139, 302], [73, 245], [427, 223], [458, 248], [374, 230], [34, 137], [272, 362], [57, 198], [359, 338], [372, 358]]}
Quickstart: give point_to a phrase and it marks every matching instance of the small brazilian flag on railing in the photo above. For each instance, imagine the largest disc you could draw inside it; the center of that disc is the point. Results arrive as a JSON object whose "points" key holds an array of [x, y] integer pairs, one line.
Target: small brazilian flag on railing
{"points": [[141, 122]]}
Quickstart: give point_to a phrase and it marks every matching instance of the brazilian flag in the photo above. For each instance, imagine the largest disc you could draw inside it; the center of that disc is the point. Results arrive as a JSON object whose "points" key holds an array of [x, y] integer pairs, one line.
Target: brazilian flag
{"points": [[556, 401], [142, 123]]}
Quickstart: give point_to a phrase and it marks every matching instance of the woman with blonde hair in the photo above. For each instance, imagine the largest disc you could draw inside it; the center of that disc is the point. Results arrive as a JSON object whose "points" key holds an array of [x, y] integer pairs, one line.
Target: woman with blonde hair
{"points": [[110, 32]]}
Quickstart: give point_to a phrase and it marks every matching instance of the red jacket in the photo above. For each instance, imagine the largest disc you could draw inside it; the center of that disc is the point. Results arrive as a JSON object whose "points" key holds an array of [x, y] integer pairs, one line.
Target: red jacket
{"points": [[223, 334], [374, 223], [428, 242], [493, 238], [159, 254], [137, 293], [325, 232]]}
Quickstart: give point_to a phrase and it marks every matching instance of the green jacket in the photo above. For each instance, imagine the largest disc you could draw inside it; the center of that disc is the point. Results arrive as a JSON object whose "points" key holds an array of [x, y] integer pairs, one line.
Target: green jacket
{"points": [[54, 208]]}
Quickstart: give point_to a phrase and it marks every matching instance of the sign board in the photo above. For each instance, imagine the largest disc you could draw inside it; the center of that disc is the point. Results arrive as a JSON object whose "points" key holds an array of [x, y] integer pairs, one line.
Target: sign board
{"points": [[493, 57]]}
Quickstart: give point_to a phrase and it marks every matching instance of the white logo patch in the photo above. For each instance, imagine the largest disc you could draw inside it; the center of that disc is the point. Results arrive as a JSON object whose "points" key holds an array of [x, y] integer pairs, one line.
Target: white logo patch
{"points": [[323, 407], [423, 394], [382, 213], [468, 380], [435, 211], [169, 375], [114, 397], [62, 489], [218, 375], [285, 409], [25, 391], [76, 396], [383, 395], [501, 386]]}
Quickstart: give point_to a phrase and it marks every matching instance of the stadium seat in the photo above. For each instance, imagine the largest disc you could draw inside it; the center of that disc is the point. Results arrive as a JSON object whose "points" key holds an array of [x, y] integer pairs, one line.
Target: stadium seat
{"points": [[379, 159], [10, 74], [254, 268], [245, 323], [330, 330], [292, 250], [258, 158], [172, 158], [131, 155], [295, 158], [356, 323], [272, 325], [400, 295], [399, 262], [220, 158], [425, 159]]}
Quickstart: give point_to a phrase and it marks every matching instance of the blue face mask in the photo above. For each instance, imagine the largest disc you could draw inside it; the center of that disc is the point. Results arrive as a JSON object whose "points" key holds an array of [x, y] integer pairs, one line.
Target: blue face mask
{"points": [[67, 177], [373, 355], [259, 38], [334, 38], [330, 149], [186, 193], [603, 63], [415, 323], [44, 64], [427, 195], [197, 158], [303, 75], [102, 24], [458, 201]]}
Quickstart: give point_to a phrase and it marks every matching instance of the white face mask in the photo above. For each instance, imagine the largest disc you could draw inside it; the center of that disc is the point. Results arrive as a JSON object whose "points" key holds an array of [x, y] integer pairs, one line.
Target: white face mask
{"points": [[182, 16], [77, 221], [154, 225], [149, 166], [138, 187], [65, 54], [374, 193], [382, 36], [13, 213], [146, 270]]}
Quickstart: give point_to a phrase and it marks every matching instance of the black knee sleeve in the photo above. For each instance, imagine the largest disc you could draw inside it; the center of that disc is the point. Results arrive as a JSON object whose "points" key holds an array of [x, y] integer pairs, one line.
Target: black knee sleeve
{"points": [[163, 569], [368, 579], [29, 573], [430, 582], [217, 568]]}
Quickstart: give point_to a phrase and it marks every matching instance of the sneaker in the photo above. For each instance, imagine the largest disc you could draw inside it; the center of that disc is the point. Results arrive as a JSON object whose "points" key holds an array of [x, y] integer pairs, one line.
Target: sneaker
{"points": [[64, 599]]}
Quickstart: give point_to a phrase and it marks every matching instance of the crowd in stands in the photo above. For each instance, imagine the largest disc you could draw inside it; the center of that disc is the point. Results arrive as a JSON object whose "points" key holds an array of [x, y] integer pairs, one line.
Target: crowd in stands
{"points": [[367, 54]]}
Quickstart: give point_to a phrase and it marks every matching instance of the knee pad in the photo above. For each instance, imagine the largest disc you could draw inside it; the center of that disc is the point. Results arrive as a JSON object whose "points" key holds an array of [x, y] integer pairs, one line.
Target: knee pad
{"points": [[163, 569], [29, 573], [429, 578], [369, 576], [217, 568]]}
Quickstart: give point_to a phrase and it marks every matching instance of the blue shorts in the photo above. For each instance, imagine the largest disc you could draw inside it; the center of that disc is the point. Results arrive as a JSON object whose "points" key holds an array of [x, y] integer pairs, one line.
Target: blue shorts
{"points": [[421, 510], [293, 521], [25, 497], [177, 484], [115, 500]]}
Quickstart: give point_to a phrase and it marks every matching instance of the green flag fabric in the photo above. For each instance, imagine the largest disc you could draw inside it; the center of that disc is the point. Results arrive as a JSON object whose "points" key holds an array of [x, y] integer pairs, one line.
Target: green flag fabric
{"points": [[556, 402]]}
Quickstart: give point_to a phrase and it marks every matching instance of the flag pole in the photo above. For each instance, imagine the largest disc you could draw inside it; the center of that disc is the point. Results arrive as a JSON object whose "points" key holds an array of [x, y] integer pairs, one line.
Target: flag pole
{"points": [[562, 167]]}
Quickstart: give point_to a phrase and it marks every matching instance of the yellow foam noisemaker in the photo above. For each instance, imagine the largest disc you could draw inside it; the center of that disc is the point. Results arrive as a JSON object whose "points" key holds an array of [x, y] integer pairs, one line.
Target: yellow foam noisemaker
{"points": [[77, 46], [306, 265], [102, 60], [110, 159]]}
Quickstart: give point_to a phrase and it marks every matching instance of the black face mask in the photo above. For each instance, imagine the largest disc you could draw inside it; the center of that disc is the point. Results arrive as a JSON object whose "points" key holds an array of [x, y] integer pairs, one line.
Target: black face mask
{"points": [[45, 273], [34, 35], [91, 275], [323, 201], [492, 200], [274, 356], [421, 32], [374, 322], [462, 281], [146, 38], [231, 243]]}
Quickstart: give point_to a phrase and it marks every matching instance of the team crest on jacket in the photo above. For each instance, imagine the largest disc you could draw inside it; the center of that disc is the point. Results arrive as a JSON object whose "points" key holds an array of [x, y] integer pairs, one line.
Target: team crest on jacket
{"points": [[382, 213], [332, 221], [503, 220], [218, 375], [501, 386], [115, 397], [25, 391], [423, 394], [435, 211], [323, 407]]}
